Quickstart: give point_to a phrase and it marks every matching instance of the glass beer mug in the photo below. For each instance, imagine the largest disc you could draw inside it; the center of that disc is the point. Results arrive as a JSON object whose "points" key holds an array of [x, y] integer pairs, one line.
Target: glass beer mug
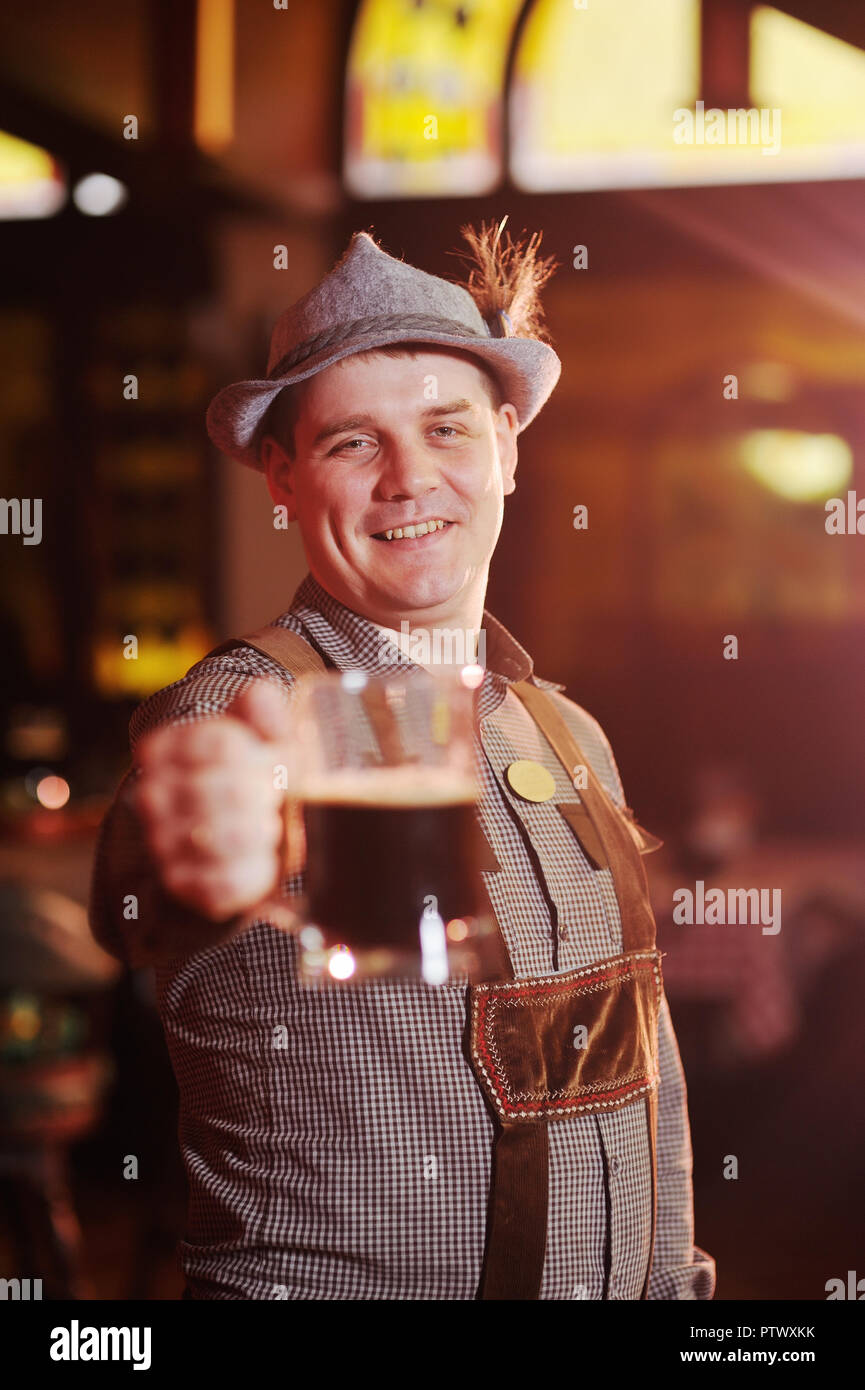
{"points": [[385, 778]]}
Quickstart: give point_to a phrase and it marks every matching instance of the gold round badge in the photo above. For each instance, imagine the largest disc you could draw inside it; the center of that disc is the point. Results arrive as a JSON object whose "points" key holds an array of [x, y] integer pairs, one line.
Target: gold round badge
{"points": [[530, 781]]}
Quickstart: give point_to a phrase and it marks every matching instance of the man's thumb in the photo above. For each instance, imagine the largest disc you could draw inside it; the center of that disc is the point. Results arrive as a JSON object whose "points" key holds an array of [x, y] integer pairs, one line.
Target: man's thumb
{"points": [[263, 708]]}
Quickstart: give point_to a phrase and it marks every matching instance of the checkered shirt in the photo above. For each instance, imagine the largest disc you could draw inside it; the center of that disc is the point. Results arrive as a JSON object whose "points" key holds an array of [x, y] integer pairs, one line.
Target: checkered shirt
{"points": [[353, 1161]]}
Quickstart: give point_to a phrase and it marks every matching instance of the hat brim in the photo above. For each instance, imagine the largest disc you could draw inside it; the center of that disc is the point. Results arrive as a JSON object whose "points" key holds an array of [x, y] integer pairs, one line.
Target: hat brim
{"points": [[527, 368]]}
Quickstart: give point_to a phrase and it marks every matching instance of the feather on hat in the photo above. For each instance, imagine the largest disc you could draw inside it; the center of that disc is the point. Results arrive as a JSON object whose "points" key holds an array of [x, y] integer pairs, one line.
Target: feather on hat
{"points": [[370, 299], [506, 278]]}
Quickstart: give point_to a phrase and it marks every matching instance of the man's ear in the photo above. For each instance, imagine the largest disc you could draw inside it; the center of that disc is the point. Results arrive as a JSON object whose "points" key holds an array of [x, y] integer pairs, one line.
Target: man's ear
{"points": [[277, 469], [506, 421]]}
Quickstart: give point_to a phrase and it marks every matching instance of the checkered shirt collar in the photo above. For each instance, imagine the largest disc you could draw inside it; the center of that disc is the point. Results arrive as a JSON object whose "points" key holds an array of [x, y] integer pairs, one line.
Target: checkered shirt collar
{"points": [[353, 642]]}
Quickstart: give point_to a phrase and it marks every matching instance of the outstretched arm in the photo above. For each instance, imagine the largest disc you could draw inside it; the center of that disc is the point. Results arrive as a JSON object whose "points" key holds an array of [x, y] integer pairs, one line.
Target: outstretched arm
{"points": [[131, 914], [191, 842]]}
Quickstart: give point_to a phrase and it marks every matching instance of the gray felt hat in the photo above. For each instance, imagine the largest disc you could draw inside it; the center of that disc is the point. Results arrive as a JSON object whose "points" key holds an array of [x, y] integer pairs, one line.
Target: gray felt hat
{"points": [[369, 299]]}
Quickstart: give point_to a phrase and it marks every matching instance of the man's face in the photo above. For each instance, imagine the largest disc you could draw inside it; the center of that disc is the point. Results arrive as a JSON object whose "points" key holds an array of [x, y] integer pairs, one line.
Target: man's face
{"points": [[387, 443]]}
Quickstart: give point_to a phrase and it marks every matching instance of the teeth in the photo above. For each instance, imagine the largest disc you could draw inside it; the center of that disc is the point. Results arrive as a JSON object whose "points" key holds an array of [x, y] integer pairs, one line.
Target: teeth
{"points": [[422, 528]]}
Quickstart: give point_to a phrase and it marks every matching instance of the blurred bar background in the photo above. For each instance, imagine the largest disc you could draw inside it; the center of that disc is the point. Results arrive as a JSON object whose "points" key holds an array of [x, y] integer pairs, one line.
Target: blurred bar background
{"points": [[172, 175]]}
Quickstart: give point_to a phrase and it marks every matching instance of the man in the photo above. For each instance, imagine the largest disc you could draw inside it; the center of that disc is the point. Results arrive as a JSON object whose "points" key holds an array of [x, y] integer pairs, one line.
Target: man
{"points": [[365, 1159]]}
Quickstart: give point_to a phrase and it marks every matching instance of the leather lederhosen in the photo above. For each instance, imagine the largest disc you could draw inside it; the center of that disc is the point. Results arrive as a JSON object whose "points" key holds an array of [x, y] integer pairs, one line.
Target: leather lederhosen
{"points": [[535, 1064], [550, 1049]]}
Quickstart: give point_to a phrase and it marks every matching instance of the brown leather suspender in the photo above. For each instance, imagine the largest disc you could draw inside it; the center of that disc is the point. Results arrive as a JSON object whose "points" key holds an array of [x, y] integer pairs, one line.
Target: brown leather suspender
{"points": [[616, 1000], [282, 645]]}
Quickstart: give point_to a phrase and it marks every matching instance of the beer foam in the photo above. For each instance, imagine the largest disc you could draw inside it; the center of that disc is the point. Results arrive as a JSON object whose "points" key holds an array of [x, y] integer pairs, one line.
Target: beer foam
{"points": [[404, 786]]}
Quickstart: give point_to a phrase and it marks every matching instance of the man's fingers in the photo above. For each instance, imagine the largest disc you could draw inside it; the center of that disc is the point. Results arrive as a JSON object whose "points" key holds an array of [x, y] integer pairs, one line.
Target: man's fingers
{"points": [[210, 802], [261, 711], [242, 790], [264, 709], [193, 746], [223, 890], [217, 839]]}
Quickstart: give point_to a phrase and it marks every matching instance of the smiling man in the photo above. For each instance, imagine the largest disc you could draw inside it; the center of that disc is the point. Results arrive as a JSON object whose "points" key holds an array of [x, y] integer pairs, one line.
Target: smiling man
{"points": [[373, 1156], [400, 508]]}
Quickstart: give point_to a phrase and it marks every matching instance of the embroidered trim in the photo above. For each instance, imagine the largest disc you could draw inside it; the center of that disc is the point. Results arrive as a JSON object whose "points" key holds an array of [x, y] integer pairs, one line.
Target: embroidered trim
{"points": [[558, 981], [593, 1096]]}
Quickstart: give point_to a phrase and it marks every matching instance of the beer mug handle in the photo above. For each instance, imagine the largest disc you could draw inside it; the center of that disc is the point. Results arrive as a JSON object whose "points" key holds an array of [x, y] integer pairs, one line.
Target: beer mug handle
{"points": [[293, 847]]}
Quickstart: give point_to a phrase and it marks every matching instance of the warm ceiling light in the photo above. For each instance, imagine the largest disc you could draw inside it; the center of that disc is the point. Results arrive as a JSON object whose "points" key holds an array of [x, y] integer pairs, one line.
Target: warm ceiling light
{"points": [[98, 195], [52, 793], [30, 181], [214, 75], [798, 466]]}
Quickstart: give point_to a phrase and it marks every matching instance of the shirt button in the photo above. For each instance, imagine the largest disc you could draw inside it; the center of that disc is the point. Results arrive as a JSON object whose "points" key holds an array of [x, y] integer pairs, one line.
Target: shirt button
{"points": [[563, 931], [616, 1165]]}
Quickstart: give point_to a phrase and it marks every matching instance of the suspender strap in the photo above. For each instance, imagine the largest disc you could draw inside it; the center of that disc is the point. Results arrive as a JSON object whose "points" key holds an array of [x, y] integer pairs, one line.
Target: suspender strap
{"points": [[516, 1245], [282, 645], [611, 826], [517, 1214]]}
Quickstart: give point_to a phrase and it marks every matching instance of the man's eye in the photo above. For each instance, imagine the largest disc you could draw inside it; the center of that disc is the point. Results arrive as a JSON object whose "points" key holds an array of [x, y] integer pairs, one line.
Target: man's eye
{"points": [[346, 443], [445, 427]]}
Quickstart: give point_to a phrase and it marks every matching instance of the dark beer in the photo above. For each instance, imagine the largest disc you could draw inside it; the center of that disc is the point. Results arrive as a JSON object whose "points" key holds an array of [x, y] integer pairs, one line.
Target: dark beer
{"points": [[372, 870]]}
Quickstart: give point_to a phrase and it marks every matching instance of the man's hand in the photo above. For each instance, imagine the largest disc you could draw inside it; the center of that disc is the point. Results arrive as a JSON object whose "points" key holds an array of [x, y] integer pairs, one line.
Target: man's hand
{"points": [[210, 807]]}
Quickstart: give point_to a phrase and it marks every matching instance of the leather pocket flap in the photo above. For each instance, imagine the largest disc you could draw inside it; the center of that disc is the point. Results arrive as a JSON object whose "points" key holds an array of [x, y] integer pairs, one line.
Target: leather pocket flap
{"points": [[645, 841], [486, 860], [570, 1044], [583, 827]]}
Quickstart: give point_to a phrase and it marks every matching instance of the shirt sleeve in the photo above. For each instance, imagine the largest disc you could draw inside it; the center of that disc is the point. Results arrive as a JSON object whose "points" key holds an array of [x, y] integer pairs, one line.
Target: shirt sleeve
{"points": [[680, 1269], [130, 915]]}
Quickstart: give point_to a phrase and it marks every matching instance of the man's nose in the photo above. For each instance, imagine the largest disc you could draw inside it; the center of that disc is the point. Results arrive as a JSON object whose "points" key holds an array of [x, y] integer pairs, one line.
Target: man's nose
{"points": [[407, 471]]}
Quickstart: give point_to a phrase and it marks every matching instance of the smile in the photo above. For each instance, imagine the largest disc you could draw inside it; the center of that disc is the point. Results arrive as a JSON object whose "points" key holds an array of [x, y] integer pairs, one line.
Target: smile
{"points": [[411, 533]]}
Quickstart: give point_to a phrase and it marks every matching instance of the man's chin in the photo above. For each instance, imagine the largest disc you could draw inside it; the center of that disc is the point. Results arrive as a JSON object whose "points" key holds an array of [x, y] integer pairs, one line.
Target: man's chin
{"points": [[393, 591], [387, 592], [414, 593]]}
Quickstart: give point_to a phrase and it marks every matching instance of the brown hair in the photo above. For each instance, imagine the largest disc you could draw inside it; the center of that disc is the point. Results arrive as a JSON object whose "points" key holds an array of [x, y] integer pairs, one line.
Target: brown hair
{"points": [[281, 418]]}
